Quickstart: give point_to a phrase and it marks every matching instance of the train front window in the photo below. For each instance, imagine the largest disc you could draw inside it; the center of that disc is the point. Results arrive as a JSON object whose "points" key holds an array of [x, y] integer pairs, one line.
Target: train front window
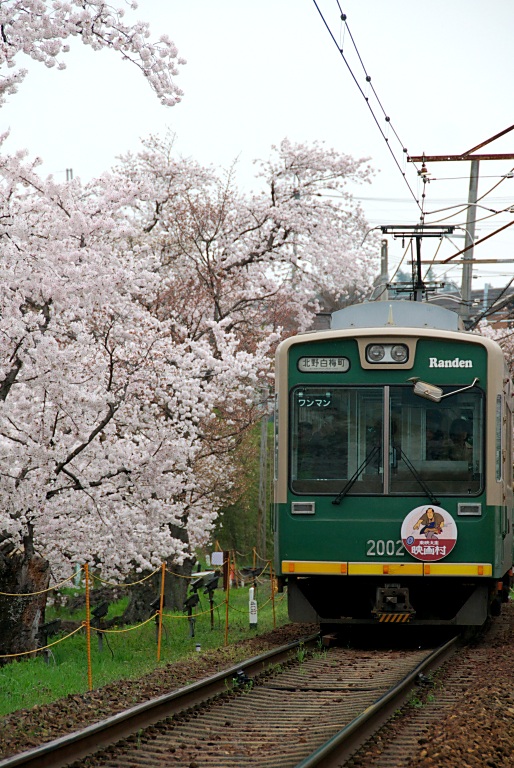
{"points": [[438, 444], [336, 431]]}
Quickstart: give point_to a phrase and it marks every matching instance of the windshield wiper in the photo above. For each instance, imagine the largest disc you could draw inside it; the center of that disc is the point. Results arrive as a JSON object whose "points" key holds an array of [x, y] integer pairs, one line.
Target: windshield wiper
{"points": [[340, 496], [410, 466]]}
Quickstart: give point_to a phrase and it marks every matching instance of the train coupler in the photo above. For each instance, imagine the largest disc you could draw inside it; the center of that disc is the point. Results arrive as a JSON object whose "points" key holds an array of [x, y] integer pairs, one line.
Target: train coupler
{"points": [[392, 605]]}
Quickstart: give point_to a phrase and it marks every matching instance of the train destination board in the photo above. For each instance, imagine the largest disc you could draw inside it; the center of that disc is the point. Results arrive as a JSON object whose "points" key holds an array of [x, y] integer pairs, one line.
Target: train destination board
{"points": [[323, 364]]}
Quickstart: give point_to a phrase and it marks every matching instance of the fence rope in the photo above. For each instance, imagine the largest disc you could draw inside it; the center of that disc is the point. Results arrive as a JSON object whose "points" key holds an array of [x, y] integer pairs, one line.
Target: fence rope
{"points": [[41, 591], [88, 626], [194, 615], [119, 585], [43, 648], [128, 584], [121, 631], [133, 628]]}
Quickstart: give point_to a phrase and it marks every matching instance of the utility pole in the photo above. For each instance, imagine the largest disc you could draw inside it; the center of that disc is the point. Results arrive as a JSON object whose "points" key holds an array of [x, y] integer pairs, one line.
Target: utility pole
{"points": [[469, 243], [384, 272], [263, 478], [472, 204]]}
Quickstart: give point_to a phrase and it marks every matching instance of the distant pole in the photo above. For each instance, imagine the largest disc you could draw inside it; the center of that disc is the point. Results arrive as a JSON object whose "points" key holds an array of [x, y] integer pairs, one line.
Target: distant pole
{"points": [[467, 262], [384, 272], [261, 512], [69, 174], [418, 282]]}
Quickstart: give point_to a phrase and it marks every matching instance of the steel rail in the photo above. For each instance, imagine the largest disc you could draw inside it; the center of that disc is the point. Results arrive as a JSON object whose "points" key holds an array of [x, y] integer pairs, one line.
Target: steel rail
{"points": [[344, 743], [80, 744]]}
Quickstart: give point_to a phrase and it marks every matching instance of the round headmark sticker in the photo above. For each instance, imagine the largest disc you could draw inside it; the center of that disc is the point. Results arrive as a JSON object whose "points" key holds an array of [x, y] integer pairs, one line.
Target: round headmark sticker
{"points": [[429, 533]]}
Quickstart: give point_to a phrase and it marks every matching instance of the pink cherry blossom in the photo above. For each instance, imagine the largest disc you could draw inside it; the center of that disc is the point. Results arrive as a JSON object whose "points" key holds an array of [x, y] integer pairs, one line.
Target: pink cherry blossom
{"points": [[40, 29]]}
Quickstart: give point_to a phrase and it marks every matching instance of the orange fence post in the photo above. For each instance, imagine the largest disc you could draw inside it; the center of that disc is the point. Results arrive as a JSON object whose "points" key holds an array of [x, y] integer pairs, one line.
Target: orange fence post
{"points": [[161, 607], [88, 631], [233, 571]]}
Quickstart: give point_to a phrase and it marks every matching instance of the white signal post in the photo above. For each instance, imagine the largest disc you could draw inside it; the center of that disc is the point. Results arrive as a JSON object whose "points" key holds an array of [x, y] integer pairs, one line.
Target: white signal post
{"points": [[252, 608]]}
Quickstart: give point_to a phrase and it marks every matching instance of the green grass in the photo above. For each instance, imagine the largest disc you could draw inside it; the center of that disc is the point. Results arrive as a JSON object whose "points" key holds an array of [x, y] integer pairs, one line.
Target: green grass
{"points": [[129, 655]]}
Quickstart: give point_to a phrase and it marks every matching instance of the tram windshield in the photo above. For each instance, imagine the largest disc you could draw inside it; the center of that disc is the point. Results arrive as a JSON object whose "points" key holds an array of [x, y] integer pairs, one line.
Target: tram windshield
{"points": [[339, 433]]}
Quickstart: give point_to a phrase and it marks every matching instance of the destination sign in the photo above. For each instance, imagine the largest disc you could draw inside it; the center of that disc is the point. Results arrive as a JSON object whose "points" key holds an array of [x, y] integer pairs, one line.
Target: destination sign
{"points": [[323, 364]]}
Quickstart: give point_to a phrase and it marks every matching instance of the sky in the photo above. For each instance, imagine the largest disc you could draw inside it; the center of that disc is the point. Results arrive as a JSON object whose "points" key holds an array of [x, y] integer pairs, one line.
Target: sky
{"points": [[258, 72]]}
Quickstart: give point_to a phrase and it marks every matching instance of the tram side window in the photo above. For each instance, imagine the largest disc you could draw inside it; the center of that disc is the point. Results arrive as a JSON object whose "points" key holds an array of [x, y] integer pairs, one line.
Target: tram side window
{"points": [[333, 432], [508, 442]]}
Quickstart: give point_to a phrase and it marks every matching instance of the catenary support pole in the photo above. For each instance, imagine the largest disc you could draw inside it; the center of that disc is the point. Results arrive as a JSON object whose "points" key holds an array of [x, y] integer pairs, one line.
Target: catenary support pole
{"points": [[467, 264]]}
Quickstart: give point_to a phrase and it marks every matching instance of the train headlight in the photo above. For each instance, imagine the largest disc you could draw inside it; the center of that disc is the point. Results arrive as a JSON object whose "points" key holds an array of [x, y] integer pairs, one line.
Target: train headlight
{"points": [[375, 353], [395, 354], [399, 353]]}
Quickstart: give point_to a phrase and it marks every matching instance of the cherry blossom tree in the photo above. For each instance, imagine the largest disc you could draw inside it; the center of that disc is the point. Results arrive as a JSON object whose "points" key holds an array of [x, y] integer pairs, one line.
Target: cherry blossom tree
{"points": [[105, 406], [139, 314], [42, 30], [503, 334], [98, 356], [252, 264], [255, 264], [251, 260]]}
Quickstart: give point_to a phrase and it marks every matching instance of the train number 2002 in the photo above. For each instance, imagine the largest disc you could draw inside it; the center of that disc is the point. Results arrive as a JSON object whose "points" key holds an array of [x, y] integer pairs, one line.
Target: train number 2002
{"points": [[379, 548]]}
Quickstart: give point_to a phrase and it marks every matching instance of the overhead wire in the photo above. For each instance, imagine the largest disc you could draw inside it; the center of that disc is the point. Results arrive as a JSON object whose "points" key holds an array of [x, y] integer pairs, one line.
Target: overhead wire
{"points": [[425, 179], [492, 214], [466, 178], [343, 18], [433, 259], [466, 207], [493, 306], [492, 211], [368, 78], [346, 30]]}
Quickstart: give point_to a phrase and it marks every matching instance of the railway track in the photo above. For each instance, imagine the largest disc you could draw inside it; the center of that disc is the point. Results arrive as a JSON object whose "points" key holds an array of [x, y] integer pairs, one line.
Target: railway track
{"points": [[297, 707]]}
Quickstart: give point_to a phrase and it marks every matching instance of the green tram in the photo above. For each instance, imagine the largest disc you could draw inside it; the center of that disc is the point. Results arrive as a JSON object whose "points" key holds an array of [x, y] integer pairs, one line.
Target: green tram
{"points": [[393, 470]]}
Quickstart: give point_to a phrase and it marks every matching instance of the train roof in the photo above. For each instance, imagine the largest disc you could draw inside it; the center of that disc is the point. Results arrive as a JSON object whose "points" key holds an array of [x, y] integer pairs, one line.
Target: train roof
{"points": [[404, 314]]}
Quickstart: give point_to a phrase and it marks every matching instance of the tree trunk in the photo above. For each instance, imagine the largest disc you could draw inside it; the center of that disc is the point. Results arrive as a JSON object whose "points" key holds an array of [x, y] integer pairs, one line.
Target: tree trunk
{"points": [[178, 576], [143, 601], [145, 598], [21, 572], [176, 586]]}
